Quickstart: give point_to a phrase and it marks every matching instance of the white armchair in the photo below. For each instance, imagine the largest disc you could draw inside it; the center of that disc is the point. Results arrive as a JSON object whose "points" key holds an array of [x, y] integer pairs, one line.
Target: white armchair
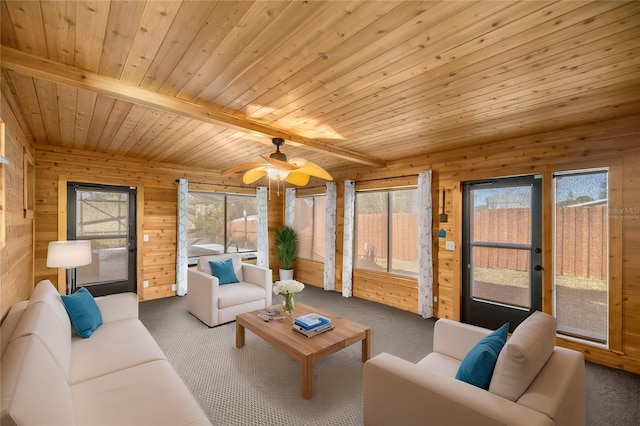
{"points": [[534, 382], [213, 303]]}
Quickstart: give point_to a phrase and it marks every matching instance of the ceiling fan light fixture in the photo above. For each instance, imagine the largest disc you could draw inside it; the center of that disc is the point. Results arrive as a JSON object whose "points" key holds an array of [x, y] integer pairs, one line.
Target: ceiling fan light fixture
{"points": [[277, 174], [279, 168]]}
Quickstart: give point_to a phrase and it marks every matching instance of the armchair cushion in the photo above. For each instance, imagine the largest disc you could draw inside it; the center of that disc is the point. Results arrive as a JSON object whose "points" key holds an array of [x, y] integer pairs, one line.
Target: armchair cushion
{"points": [[477, 366], [223, 271], [524, 355]]}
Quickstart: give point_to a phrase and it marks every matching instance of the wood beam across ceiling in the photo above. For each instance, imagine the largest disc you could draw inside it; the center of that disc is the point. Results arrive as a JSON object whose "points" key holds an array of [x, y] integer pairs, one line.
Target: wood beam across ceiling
{"points": [[53, 71]]}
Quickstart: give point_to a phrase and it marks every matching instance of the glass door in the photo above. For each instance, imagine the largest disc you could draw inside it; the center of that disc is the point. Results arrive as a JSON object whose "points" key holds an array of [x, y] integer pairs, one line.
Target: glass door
{"points": [[502, 252], [106, 216]]}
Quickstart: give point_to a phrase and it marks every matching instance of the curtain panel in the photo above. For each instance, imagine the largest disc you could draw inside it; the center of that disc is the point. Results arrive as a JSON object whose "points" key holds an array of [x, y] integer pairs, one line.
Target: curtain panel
{"points": [[425, 264], [263, 227], [181, 255], [289, 206], [330, 238], [347, 242]]}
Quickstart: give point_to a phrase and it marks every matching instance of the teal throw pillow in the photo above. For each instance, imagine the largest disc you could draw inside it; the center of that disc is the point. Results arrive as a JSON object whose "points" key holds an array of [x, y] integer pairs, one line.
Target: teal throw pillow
{"points": [[223, 271], [477, 366], [83, 311]]}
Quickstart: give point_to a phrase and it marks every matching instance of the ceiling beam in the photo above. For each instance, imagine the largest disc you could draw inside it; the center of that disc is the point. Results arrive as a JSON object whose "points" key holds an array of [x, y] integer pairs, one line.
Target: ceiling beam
{"points": [[53, 71]]}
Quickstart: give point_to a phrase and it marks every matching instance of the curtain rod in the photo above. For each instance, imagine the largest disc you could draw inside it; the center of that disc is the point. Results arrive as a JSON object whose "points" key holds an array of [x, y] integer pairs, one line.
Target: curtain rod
{"points": [[218, 184], [383, 179]]}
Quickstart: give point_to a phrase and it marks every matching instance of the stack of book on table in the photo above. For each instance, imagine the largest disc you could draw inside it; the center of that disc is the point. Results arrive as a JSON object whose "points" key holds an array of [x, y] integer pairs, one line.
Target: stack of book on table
{"points": [[312, 324]]}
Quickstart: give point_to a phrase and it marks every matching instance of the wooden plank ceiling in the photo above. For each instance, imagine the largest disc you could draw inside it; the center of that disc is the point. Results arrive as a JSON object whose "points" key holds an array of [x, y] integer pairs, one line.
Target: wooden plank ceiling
{"points": [[206, 84]]}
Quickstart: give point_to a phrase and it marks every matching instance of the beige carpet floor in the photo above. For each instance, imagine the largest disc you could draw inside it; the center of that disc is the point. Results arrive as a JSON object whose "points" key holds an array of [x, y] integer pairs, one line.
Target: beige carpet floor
{"points": [[259, 385]]}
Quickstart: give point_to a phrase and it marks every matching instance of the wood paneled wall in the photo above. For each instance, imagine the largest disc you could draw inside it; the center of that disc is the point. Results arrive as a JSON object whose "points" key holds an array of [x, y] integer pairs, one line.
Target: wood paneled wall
{"points": [[16, 251], [157, 195], [612, 143]]}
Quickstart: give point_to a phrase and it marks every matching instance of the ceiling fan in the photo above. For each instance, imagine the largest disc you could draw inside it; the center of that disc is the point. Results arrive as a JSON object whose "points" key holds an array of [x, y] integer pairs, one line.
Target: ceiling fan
{"points": [[295, 171]]}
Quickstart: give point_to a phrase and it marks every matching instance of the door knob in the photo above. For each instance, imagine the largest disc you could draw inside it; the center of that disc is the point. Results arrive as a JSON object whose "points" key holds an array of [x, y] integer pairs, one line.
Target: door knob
{"points": [[537, 268]]}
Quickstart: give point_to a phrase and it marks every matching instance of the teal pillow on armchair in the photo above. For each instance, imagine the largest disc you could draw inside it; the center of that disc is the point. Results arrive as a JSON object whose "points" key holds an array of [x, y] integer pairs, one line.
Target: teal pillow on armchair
{"points": [[224, 271], [477, 366], [83, 311]]}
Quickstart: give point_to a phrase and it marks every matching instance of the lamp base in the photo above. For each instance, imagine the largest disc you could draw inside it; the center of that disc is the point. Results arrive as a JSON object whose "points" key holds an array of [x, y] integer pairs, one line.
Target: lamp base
{"points": [[71, 280]]}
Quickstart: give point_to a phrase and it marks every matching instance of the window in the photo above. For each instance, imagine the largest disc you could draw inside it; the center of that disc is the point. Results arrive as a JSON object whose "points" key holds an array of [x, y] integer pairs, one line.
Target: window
{"points": [[387, 231], [309, 224], [220, 223], [581, 240]]}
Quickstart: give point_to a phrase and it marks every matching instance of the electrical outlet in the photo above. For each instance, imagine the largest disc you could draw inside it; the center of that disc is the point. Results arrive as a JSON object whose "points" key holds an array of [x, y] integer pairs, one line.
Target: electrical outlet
{"points": [[450, 245], [145, 237], [145, 284], [173, 287], [435, 299]]}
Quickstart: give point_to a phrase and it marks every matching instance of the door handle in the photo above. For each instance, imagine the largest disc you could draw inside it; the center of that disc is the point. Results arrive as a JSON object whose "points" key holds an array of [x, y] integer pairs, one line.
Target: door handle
{"points": [[537, 268]]}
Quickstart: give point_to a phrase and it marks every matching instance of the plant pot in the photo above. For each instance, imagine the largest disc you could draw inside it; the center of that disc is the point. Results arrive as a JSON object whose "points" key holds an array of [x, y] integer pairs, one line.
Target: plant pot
{"points": [[286, 274]]}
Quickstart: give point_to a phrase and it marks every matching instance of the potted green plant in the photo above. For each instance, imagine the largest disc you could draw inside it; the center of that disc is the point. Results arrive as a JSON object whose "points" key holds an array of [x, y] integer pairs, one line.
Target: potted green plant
{"points": [[286, 246]]}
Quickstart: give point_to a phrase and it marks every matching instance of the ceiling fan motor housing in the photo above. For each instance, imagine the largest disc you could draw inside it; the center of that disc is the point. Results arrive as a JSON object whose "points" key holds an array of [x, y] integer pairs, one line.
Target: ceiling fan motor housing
{"points": [[278, 142]]}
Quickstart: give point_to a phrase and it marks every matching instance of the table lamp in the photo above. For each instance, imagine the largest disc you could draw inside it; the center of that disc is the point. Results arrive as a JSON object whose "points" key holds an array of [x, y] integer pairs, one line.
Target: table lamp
{"points": [[69, 255]]}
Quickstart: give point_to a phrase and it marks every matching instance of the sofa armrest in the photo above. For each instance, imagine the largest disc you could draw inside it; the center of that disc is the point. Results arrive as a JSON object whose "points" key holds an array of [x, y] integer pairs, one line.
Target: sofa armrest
{"points": [[259, 275], [455, 339], [116, 307], [397, 391]]}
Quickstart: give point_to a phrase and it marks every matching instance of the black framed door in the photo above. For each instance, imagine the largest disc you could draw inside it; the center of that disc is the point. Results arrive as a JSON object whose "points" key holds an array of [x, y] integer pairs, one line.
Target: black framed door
{"points": [[502, 251], [106, 216]]}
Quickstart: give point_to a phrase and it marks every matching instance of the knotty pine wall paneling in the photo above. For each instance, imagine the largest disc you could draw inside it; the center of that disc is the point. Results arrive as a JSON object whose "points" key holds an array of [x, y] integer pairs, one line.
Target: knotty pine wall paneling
{"points": [[17, 249], [157, 204], [611, 144]]}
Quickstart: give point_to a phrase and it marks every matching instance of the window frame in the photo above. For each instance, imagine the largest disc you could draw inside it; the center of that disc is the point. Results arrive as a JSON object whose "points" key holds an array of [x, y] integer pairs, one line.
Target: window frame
{"points": [[554, 243], [389, 269], [615, 250], [313, 222], [225, 196]]}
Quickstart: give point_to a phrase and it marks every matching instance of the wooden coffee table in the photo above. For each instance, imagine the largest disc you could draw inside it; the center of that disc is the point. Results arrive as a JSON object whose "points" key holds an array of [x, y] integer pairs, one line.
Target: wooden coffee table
{"points": [[305, 350]]}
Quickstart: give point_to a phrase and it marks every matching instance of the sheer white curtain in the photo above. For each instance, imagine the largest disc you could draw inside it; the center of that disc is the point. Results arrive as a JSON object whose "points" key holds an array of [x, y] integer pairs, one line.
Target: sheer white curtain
{"points": [[289, 206], [347, 242], [330, 238], [425, 264], [263, 227], [181, 255]]}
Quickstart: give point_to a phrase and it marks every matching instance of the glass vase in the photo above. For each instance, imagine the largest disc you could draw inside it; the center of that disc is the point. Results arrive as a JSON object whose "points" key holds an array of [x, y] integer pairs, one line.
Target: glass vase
{"points": [[287, 304]]}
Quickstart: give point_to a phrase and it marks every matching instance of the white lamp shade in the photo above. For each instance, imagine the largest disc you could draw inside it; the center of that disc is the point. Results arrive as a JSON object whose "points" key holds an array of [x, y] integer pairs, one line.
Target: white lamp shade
{"points": [[68, 254]]}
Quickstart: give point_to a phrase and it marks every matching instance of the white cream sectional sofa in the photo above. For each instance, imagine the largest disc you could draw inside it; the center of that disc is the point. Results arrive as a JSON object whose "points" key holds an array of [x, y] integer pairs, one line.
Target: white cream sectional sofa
{"points": [[534, 382], [118, 376]]}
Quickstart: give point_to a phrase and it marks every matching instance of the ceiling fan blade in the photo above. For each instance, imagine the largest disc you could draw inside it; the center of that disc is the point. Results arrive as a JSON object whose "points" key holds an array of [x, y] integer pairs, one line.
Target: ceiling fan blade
{"points": [[310, 168], [297, 178], [282, 165], [254, 174], [241, 167]]}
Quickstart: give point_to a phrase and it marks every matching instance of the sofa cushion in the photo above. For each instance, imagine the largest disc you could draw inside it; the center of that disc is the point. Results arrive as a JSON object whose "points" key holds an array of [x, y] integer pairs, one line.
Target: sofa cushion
{"points": [[34, 388], [477, 366], [114, 346], [149, 394], [523, 356], [40, 320], [46, 292], [83, 312], [10, 323], [223, 271]]}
